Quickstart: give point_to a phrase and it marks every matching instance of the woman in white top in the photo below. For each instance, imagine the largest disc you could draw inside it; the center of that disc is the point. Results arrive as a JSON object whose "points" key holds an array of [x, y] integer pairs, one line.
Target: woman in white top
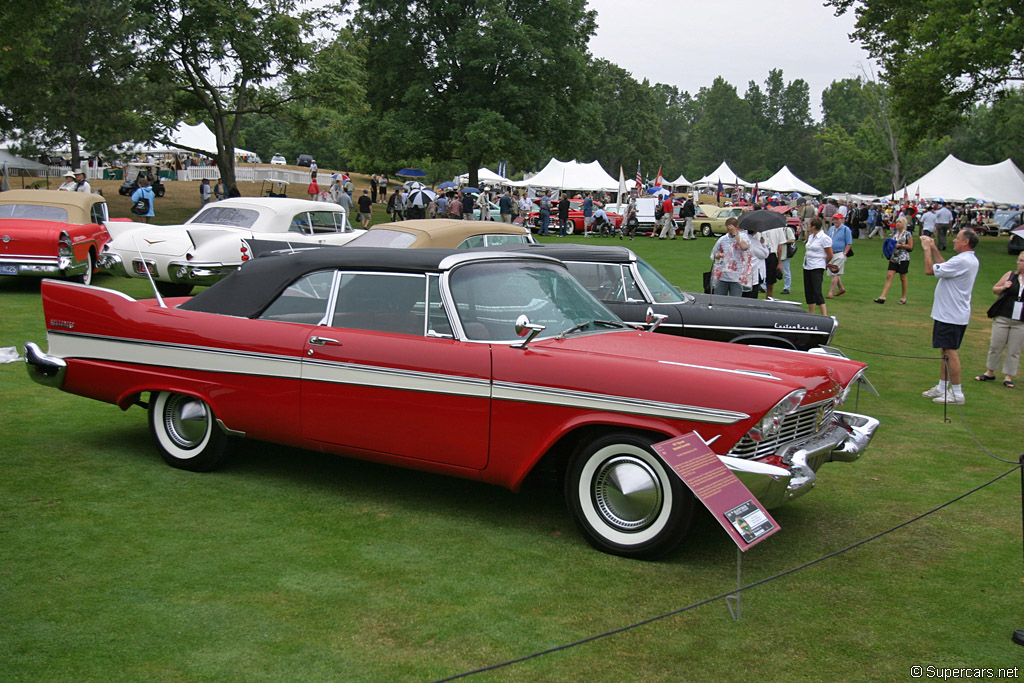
{"points": [[817, 254]]}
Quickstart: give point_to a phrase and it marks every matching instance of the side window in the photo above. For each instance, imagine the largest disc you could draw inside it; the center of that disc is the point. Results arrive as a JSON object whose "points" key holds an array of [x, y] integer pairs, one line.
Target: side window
{"points": [[326, 221], [498, 240], [472, 242], [603, 280], [305, 301], [438, 324], [381, 302], [98, 213], [301, 224]]}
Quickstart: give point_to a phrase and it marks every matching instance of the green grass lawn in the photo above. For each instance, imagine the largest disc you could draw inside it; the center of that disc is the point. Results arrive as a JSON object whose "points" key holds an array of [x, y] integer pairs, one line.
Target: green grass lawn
{"points": [[293, 565]]}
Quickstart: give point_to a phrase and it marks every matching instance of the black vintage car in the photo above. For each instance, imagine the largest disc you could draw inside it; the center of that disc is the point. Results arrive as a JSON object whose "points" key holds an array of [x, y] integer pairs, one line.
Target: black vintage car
{"points": [[628, 285]]}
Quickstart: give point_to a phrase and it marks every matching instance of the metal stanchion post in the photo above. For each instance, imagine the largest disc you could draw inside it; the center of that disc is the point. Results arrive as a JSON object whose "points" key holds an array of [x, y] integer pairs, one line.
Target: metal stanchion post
{"points": [[1018, 635]]}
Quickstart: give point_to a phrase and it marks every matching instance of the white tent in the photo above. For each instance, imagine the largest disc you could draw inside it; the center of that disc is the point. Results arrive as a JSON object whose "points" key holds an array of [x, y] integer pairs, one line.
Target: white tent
{"points": [[12, 162], [956, 181], [197, 137], [681, 181], [785, 181], [484, 175], [572, 175], [725, 175]]}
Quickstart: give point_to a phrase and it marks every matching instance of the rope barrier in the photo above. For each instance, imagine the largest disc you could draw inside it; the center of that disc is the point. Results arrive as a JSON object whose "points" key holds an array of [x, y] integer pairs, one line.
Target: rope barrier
{"points": [[721, 596]]}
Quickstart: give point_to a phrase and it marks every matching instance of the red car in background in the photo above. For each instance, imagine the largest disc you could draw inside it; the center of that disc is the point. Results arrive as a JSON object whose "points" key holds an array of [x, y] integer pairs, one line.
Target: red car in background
{"points": [[575, 216], [49, 233], [791, 221]]}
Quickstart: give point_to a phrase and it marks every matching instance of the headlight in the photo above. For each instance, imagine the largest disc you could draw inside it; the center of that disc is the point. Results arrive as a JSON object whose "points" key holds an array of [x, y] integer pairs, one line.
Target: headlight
{"points": [[845, 393], [771, 423]]}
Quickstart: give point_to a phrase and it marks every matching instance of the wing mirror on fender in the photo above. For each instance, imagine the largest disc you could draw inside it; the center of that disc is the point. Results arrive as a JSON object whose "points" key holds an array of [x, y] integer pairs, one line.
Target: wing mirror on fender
{"points": [[525, 329], [654, 320]]}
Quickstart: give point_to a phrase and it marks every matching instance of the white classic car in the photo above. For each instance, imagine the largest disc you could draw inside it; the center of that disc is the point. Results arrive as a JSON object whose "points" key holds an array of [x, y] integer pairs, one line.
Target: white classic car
{"points": [[219, 238]]}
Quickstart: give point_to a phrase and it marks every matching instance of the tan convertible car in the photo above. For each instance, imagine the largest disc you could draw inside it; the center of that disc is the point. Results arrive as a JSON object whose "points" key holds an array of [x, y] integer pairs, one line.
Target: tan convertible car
{"points": [[444, 233]]}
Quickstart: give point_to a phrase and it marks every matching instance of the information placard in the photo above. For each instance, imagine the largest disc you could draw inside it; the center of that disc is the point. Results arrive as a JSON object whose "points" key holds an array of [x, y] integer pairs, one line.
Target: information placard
{"points": [[730, 502]]}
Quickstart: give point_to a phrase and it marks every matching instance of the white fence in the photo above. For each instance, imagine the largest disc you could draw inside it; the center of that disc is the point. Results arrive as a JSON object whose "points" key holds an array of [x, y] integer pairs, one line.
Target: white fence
{"points": [[247, 173]]}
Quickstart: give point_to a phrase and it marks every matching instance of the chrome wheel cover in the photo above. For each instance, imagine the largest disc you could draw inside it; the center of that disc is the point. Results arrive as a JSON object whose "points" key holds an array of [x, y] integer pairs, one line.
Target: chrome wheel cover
{"points": [[186, 421], [627, 493]]}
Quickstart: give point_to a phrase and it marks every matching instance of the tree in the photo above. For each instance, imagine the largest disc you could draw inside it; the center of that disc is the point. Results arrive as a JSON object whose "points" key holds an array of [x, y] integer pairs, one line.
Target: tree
{"points": [[722, 130], [624, 123], [941, 56], [221, 56], [475, 79], [67, 84]]}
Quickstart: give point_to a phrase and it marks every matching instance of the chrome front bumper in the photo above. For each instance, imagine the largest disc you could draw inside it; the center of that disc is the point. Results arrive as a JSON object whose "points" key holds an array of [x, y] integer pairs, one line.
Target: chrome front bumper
{"points": [[844, 440]]}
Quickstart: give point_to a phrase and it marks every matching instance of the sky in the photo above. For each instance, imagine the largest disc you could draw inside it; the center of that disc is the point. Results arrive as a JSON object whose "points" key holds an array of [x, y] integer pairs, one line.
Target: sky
{"points": [[688, 43]]}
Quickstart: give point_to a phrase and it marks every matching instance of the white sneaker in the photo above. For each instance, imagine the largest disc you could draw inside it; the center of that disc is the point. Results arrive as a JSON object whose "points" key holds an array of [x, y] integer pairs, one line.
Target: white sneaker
{"points": [[934, 392], [951, 398]]}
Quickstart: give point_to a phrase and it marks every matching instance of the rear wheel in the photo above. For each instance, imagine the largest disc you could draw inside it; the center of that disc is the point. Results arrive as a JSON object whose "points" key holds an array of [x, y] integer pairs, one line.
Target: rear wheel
{"points": [[624, 500], [186, 432], [570, 227], [173, 288], [86, 277]]}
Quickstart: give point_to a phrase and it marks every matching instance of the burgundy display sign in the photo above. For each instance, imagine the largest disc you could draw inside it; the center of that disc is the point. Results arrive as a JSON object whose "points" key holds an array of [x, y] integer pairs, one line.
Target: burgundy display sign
{"points": [[731, 503]]}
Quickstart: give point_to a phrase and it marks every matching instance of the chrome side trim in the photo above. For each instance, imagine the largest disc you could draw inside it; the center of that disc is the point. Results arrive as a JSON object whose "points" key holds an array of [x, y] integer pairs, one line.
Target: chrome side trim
{"points": [[509, 391]]}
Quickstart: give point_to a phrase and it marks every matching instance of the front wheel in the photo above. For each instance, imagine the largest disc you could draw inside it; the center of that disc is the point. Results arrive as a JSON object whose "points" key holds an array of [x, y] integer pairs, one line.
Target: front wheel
{"points": [[705, 230], [570, 227], [186, 432], [624, 500]]}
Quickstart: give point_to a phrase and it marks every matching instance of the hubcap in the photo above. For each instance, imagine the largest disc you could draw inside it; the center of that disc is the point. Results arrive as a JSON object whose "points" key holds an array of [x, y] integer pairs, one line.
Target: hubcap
{"points": [[186, 420], [628, 493]]}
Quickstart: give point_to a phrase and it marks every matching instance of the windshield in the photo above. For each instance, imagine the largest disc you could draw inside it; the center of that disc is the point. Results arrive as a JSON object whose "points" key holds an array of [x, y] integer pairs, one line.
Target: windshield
{"points": [[490, 296], [662, 290], [227, 215]]}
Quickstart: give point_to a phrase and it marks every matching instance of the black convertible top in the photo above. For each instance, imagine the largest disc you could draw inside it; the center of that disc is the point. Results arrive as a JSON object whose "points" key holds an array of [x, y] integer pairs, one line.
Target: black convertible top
{"points": [[251, 288]]}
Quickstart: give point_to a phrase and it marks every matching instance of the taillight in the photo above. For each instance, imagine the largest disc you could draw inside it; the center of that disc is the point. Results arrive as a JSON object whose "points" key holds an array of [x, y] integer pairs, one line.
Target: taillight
{"points": [[64, 246], [245, 253]]}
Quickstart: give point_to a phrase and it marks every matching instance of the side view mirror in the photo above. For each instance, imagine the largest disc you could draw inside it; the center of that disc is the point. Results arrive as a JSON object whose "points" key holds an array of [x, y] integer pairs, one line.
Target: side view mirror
{"points": [[654, 320], [525, 329]]}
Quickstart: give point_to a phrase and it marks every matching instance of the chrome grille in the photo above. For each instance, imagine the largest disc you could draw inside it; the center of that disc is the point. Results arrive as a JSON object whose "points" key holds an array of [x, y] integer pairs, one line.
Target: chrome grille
{"points": [[796, 427]]}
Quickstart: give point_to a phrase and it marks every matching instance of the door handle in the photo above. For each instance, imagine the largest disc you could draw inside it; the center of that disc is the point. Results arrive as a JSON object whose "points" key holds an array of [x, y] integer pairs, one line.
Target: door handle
{"points": [[321, 341]]}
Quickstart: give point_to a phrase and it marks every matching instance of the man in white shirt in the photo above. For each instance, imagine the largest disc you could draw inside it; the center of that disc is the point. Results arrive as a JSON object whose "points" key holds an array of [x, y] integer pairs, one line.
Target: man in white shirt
{"points": [[951, 309], [928, 220]]}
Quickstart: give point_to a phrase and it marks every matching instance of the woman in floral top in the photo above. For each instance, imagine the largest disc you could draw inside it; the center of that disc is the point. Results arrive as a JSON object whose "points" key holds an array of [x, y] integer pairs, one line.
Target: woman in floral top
{"points": [[730, 260], [899, 262]]}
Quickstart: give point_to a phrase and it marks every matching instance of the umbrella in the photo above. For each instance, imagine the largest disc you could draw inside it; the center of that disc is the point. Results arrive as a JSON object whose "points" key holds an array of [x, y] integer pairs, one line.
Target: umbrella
{"points": [[761, 220], [471, 190], [800, 201], [413, 185], [446, 184], [657, 190], [411, 173], [420, 197]]}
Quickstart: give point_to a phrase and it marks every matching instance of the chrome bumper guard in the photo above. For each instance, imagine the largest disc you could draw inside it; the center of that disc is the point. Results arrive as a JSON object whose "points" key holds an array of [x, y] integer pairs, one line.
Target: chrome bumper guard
{"points": [[43, 368], [113, 264], [844, 440], [204, 274]]}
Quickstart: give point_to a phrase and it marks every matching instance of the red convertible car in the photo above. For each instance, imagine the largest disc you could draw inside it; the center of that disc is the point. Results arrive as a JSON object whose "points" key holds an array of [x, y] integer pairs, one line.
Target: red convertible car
{"points": [[48, 233], [575, 216], [477, 365]]}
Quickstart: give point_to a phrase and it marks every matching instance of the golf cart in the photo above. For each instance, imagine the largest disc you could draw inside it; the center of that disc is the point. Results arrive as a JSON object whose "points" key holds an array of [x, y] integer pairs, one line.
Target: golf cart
{"points": [[274, 187], [132, 173]]}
